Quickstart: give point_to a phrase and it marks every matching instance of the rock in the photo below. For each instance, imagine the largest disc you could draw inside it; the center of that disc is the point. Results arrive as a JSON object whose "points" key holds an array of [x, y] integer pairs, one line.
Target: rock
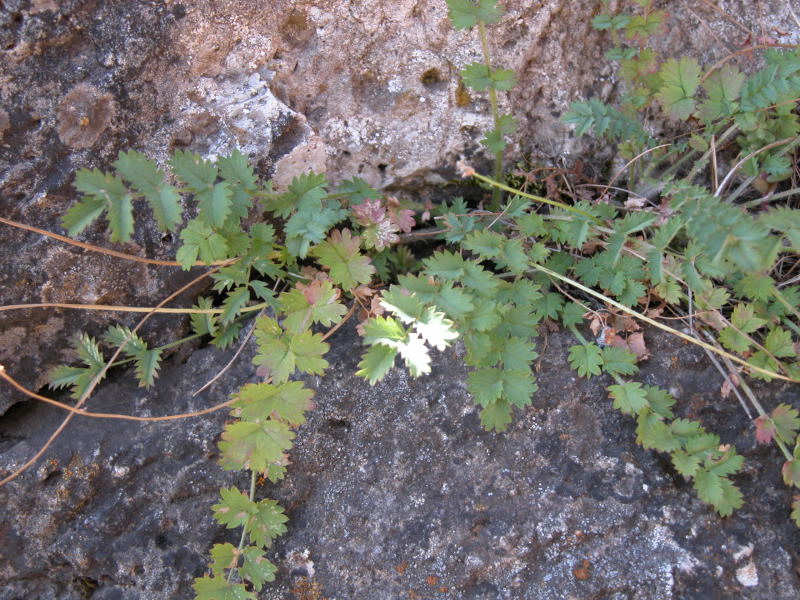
{"points": [[395, 491]]}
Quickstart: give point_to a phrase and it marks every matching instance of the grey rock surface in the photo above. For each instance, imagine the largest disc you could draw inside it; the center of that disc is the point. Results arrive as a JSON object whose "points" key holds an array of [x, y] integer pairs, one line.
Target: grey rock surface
{"points": [[353, 88], [395, 491]]}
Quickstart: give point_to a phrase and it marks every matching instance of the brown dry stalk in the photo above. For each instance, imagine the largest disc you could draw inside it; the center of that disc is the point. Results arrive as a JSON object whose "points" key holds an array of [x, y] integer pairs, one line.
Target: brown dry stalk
{"points": [[99, 249], [101, 374], [76, 410]]}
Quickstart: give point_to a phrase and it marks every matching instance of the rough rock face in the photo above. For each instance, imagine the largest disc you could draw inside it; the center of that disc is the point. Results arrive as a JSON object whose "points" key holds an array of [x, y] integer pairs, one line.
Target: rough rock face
{"points": [[354, 88], [396, 492]]}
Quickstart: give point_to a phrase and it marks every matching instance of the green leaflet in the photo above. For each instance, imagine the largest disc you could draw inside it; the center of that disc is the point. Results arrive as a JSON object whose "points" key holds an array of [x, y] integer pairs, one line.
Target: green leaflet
{"points": [[79, 378], [258, 402], [494, 389], [586, 359], [282, 353], [148, 180], [102, 193], [254, 446], [316, 303], [466, 14], [200, 240], [340, 254], [679, 81], [480, 77], [219, 588]]}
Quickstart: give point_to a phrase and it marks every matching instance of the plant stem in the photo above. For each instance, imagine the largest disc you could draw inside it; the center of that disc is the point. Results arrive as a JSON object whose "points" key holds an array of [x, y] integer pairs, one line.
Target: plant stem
{"points": [[646, 319], [497, 193], [786, 304], [497, 185], [244, 528]]}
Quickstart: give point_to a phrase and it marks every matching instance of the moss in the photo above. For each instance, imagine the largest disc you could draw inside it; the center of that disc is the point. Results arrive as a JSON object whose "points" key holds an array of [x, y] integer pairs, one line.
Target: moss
{"points": [[462, 95], [431, 76]]}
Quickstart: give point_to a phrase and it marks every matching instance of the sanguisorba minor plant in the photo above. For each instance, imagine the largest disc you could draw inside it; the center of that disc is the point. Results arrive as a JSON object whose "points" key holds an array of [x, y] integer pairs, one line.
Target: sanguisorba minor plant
{"points": [[686, 242]]}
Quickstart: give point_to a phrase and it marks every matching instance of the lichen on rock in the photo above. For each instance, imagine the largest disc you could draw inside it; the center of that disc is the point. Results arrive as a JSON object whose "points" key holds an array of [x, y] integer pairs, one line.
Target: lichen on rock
{"points": [[84, 113]]}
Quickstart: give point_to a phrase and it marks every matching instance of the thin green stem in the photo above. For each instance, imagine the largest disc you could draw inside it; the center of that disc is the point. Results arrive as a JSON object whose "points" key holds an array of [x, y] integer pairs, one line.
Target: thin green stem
{"points": [[498, 156], [160, 348], [646, 319], [771, 198], [786, 304], [507, 188], [791, 326], [183, 340], [244, 527]]}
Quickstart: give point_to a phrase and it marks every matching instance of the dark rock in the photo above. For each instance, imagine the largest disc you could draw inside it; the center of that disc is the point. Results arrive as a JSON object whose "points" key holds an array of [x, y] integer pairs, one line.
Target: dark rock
{"points": [[395, 491]]}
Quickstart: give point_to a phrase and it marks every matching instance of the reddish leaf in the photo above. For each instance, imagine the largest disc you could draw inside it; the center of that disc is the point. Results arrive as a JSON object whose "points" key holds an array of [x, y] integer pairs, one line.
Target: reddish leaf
{"points": [[315, 291], [765, 429], [404, 219], [370, 212], [791, 472]]}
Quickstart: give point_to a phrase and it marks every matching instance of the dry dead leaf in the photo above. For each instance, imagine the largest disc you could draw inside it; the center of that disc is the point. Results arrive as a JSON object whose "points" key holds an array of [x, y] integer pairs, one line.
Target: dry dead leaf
{"points": [[637, 346]]}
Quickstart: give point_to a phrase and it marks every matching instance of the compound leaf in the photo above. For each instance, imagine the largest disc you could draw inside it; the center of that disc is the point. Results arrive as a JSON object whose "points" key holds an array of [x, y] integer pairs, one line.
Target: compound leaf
{"points": [[340, 255], [254, 446], [586, 359], [465, 14], [219, 588], [148, 180], [679, 81], [629, 397], [256, 568], [267, 523]]}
